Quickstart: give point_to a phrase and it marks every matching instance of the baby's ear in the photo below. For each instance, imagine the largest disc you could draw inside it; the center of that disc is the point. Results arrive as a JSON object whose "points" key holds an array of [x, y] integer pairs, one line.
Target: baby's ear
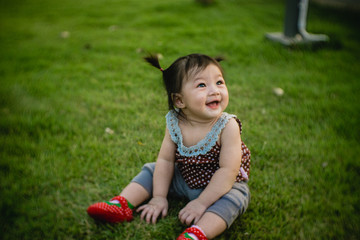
{"points": [[177, 100]]}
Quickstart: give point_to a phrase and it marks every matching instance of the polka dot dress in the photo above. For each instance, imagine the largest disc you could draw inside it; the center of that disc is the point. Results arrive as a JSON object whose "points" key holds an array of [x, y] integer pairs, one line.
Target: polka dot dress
{"points": [[197, 170]]}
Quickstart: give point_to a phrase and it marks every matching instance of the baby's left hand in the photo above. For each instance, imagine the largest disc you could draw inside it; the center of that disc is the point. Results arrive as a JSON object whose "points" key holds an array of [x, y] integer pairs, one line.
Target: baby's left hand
{"points": [[192, 212]]}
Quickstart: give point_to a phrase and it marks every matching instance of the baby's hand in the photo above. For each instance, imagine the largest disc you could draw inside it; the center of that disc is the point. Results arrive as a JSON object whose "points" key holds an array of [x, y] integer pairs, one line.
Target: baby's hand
{"points": [[192, 212], [152, 210]]}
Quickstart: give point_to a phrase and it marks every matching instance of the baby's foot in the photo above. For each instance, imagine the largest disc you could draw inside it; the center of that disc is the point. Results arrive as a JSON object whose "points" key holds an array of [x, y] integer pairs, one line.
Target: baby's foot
{"points": [[192, 233], [113, 211]]}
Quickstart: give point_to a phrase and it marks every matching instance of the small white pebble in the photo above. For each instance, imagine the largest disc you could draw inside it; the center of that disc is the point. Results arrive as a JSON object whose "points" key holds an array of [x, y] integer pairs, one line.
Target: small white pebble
{"points": [[113, 28], [278, 91], [109, 131], [65, 34], [160, 56]]}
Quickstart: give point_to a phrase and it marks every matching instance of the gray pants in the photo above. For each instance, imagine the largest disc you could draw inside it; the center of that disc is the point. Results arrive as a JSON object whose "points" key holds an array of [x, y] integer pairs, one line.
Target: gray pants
{"points": [[228, 207]]}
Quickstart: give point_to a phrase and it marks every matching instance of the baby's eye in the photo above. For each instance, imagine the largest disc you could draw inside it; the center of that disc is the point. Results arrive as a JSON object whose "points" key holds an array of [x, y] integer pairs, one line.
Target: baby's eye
{"points": [[201, 85], [220, 82]]}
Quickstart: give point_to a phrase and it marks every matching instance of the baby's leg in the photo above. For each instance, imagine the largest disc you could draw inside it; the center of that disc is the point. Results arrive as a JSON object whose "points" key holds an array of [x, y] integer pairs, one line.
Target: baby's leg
{"points": [[222, 213], [141, 186], [212, 225], [119, 208], [135, 194], [209, 226]]}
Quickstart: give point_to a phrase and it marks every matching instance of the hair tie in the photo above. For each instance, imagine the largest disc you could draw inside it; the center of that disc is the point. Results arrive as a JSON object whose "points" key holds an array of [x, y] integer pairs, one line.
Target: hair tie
{"points": [[161, 69]]}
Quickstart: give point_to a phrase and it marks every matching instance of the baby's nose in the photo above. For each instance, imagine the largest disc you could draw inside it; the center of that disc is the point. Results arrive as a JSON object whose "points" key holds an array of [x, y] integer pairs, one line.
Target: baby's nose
{"points": [[214, 90]]}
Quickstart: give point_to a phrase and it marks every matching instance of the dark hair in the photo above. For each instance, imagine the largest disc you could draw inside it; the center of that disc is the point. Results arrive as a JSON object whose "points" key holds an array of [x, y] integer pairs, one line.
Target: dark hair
{"points": [[182, 68]]}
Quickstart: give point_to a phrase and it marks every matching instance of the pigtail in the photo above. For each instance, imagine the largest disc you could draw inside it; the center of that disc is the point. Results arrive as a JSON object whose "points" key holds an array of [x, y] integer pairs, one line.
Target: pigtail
{"points": [[153, 60], [219, 58]]}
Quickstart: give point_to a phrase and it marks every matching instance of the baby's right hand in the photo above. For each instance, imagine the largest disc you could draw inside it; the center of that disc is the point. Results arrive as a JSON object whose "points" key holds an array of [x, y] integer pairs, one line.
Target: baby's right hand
{"points": [[152, 210]]}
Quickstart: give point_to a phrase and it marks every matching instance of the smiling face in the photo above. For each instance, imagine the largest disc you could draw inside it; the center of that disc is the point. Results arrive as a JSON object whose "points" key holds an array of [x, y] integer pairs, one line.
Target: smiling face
{"points": [[204, 96]]}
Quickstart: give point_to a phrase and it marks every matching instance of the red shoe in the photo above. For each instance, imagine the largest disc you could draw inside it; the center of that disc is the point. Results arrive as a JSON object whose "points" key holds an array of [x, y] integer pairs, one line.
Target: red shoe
{"points": [[185, 235], [111, 212]]}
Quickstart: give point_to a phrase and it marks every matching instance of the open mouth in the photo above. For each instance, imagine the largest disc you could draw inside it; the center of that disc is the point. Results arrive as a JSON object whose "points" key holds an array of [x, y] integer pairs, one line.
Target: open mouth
{"points": [[213, 104]]}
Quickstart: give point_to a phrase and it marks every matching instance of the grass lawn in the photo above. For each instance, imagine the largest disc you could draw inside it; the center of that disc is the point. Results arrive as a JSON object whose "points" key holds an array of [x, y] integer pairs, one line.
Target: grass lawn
{"points": [[71, 69]]}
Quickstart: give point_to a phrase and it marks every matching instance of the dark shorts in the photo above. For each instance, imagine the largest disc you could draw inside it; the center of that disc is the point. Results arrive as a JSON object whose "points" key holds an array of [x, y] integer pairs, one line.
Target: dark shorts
{"points": [[228, 207]]}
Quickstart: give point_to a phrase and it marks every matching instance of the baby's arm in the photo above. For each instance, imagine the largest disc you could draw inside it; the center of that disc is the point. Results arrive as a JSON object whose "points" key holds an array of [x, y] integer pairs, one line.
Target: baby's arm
{"points": [[222, 180], [163, 174]]}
